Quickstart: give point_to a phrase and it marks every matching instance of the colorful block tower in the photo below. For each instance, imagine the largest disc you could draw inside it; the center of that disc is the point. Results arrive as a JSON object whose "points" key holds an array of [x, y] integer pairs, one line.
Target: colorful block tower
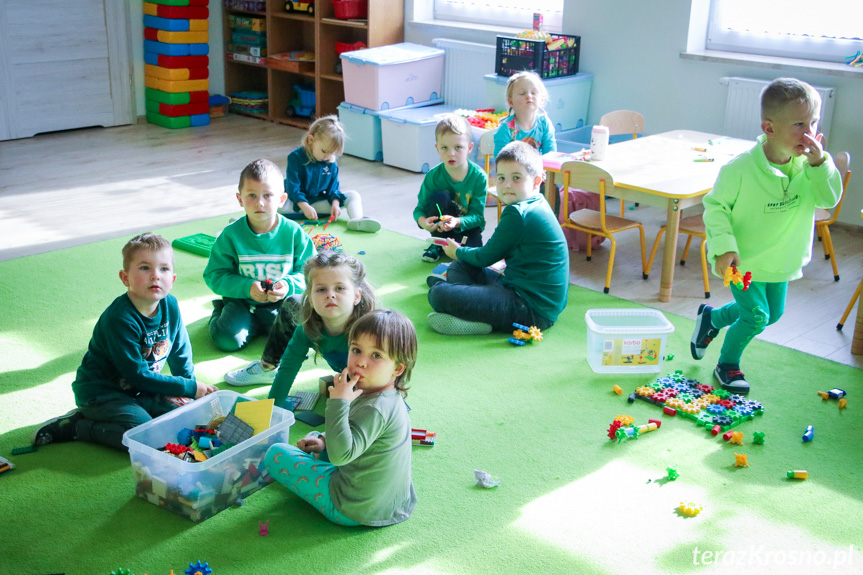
{"points": [[176, 62]]}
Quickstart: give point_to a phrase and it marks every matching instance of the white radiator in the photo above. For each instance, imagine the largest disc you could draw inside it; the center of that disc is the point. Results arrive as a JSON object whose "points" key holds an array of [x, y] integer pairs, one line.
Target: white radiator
{"points": [[465, 65], [743, 107]]}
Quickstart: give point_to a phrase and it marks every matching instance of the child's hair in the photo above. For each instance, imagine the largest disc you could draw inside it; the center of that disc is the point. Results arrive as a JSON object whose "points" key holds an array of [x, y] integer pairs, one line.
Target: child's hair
{"points": [[531, 77], [327, 128], [312, 323], [146, 241], [783, 91], [395, 334], [452, 124], [524, 154], [260, 171]]}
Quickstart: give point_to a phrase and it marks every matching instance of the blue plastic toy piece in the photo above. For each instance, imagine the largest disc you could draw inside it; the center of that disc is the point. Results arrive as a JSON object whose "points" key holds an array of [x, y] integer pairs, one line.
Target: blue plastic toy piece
{"points": [[809, 435]]}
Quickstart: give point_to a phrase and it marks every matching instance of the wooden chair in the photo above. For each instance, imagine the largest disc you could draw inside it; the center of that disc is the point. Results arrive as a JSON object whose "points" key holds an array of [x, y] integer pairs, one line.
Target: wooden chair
{"points": [[592, 178], [622, 122], [692, 226], [824, 219], [486, 150]]}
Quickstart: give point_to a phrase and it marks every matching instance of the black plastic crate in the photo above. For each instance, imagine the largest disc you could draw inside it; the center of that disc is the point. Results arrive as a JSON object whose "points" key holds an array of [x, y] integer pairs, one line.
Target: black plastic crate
{"points": [[517, 54]]}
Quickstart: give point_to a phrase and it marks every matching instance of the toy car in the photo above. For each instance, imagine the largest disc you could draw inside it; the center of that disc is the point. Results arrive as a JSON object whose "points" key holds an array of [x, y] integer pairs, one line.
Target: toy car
{"points": [[309, 7], [303, 102]]}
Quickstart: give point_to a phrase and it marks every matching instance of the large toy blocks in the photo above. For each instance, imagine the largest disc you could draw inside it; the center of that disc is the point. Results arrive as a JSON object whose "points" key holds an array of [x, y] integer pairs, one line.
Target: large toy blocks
{"points": [[176, 60]]}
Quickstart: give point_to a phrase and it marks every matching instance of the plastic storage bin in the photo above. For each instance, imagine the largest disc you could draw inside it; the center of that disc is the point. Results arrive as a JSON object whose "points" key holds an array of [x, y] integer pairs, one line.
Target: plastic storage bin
{"points": [[363, 130], [626, 340], [392, 76], [200, 490], [351, 9], [568, 99], [518, 54]]}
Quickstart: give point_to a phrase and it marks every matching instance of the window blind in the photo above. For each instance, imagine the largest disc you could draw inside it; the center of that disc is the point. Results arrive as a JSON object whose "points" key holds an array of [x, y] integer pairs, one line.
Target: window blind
{"points": [[511, 13]]}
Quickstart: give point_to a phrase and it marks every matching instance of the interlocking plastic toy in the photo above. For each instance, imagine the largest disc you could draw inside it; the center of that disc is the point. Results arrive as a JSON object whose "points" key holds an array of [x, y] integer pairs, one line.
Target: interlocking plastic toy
{"points": [[758, 437], [199, 568], [809, 435], [834, 393], [856, 60], [673, 474], [689, 509], [740, 460], [732, 276], [737, 437], [797, 474], [524, 335]]}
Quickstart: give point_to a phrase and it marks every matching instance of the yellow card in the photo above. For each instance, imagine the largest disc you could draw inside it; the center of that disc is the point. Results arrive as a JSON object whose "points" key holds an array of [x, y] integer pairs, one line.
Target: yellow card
{"points": [[256, 413]]}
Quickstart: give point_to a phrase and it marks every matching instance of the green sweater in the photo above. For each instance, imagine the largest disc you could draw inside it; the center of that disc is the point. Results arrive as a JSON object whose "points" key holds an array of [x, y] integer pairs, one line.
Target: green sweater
{"points": [[128, 351], [469, 194], [369, 440], [766, 217], [241, 257], [531, 241], [333, 348]]}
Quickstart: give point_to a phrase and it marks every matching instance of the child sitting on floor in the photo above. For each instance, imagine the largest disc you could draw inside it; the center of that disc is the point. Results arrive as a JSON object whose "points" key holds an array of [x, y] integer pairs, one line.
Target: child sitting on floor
{"points": [[119, 384], [474, 299], [312, 181], [451, 202], [362, 472]]}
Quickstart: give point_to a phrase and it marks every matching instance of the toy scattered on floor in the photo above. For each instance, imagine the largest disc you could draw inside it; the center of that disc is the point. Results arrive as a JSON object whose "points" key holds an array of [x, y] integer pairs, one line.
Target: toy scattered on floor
{"points": [[797, 474], [198, 244], [740, 460], [732, 276], [736, 438], [524, 335], [707, 406], [842, 403], [23, 450], [6, 465], [856, 60], [264, 528], [673, 474], [669, 357], [617, 389], [199, 568], [834, 393], [689, 509], [327, 242], [484, 479], [809, 435], [620, 430], [122, 571], [423, 437], [758, 437]]}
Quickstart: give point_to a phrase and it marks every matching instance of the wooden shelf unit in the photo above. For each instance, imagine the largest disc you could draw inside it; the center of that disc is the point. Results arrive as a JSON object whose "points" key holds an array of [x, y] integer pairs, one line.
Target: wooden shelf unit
{"points": [[287, 32]]}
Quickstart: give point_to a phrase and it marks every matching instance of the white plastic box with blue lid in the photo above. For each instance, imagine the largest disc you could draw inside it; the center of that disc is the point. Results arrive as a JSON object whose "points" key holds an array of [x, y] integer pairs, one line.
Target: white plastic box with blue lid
{"points": [[568, 98], [199, 490], [392, 76], [363, 130], [626, 340], [408, 137]]}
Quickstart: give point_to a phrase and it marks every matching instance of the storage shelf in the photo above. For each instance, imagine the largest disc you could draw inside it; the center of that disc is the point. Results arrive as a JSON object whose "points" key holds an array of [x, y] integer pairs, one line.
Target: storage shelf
{"points": [[364, 24], [293, 16], [333, 78]]}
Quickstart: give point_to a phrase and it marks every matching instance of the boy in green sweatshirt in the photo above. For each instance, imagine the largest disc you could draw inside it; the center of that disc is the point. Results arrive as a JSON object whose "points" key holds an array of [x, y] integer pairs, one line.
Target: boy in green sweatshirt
{"points": [[261, 246], [760, 216]]}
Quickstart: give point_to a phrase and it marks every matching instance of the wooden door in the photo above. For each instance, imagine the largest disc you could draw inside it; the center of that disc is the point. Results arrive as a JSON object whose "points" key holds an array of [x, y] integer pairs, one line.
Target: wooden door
{"points": [[63, 65]]}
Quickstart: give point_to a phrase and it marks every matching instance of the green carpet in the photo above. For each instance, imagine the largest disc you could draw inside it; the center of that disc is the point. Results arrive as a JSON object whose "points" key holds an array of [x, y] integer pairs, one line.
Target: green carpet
{"points": [[535, 418]]}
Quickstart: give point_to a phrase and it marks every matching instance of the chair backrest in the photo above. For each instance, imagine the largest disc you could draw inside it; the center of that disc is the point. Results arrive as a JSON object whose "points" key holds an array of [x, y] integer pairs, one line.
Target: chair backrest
{"points": [[843, 164], [486, 149], [623, 122], [588, 177]]}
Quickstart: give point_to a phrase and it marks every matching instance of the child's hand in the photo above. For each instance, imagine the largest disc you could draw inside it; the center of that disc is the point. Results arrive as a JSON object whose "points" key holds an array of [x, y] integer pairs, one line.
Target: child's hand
{"points": [[343, 387], [204, 389], [814, 152], [335, 210], [725, 260], [279, 291], [258, 293], [448, 224], [429, 224], [308, 210], [312, 444], [450, 249]]}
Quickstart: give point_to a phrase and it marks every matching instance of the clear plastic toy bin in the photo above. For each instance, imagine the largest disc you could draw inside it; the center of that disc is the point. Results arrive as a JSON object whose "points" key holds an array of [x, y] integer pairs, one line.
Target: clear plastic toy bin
{"points": [[199, 490], [626, 340]]}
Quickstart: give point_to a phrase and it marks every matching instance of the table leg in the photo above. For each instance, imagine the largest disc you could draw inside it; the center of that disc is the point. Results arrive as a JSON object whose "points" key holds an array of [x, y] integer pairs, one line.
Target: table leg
{"points": [[669, 256], [857, 342]]}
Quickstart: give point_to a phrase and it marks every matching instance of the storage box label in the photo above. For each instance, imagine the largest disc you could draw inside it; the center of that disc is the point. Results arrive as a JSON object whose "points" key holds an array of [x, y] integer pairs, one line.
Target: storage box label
{"points": [[631, 351]]}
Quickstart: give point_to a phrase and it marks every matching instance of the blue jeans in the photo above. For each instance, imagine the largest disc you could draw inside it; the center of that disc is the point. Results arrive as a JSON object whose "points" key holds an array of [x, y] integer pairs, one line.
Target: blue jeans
{"points": [[234, 322], [306, 476], [747, 316], [478, 294], [108, 417], [442, 200]]}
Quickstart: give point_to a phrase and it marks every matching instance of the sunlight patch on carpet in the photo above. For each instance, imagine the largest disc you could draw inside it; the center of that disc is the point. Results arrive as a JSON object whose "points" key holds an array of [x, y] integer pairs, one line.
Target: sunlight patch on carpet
{"points": [[389, 289]]}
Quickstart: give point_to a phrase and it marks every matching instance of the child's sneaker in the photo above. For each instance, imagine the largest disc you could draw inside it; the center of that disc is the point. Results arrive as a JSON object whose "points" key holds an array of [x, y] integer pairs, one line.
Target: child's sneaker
{"points": [[438, 274], [368, 225], [58, 430], [252, 374], [451, 325], [731, 378], [433, 253], [704, 332]]}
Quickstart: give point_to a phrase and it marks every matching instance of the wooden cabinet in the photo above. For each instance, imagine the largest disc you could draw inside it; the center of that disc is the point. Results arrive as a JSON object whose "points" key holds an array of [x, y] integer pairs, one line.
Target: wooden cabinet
{"points": [[318, 32]]}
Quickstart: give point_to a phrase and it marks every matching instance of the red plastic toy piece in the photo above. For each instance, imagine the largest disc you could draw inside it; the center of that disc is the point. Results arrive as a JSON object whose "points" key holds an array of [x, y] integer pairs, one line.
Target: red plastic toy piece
{"points": [[727, 435], [715, 431], [669, 410], [656, 421]]}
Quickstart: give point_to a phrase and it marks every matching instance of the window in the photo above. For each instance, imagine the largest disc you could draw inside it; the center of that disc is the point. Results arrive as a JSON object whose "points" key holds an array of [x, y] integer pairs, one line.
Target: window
{"points": [[511, 13], [828, 30]]}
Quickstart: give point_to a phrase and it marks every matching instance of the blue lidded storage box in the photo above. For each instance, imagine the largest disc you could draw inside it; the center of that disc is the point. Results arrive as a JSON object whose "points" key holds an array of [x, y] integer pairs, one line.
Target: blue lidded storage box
{"points": [[568, 98]]}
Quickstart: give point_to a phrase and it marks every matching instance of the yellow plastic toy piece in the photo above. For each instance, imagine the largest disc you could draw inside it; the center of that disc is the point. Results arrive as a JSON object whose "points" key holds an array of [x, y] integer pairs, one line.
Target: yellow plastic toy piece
{"points": [[740, 460], [625, 420], [710, 398], [842, 403], [644, 391], [617, 389], [737, 437], [535, 333], [689, 509]]}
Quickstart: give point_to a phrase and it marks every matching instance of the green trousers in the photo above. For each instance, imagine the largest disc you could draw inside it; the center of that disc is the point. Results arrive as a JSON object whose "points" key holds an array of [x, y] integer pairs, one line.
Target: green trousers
{"points": [[747, 316]]}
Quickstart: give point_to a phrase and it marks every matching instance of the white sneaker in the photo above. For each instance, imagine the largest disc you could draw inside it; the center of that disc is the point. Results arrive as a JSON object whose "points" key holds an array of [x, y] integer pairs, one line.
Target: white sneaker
{"points": [[367, 225], [252, 374]]}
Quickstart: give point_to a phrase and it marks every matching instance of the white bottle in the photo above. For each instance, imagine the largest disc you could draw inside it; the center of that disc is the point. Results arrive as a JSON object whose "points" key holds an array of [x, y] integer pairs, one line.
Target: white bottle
{"points": [[598, 143]]}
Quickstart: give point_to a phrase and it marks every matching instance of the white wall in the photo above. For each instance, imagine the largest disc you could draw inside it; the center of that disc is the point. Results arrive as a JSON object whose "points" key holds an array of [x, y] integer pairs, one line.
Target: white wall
{"points": [[633, 49], [217, 51]]}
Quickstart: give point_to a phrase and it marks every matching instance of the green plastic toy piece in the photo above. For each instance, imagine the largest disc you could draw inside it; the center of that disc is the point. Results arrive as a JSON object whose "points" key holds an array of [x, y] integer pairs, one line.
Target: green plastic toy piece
{"points": [[672, 472], [198, 244], [758, 437]]}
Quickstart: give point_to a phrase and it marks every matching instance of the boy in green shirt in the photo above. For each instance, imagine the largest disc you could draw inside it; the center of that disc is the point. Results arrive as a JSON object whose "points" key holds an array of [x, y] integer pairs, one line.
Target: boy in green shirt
{"points": [[119, 384], [760, 216], [533, 288], [451, 202], [261, 246]]}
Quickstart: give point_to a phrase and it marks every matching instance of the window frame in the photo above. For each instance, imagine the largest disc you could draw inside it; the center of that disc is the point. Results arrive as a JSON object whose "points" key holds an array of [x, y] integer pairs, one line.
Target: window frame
{"points": [[481, 12]]}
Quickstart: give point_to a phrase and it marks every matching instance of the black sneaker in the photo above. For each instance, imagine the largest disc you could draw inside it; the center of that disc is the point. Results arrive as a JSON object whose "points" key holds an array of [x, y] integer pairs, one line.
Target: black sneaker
{"points": [[57, 430], [433, 253], [704, 332], [731, 378]]}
